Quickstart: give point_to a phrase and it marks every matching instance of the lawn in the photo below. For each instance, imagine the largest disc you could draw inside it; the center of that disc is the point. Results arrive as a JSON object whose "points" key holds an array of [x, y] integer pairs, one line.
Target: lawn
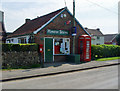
{"points": [[106, 59]]}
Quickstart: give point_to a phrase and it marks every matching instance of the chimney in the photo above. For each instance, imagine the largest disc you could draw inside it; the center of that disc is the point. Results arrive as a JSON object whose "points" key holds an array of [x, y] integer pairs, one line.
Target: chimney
{"points": [[86, 28], [27, 20], [98, 29]]}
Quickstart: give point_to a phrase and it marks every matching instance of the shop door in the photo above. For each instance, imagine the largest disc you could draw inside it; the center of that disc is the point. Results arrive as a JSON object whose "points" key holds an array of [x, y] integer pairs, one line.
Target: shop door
{"points": [[48, 49]]}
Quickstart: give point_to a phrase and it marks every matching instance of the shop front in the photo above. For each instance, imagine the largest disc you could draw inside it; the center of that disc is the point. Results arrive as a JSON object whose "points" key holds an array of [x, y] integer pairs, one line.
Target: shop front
{"points": [[56, 47]]}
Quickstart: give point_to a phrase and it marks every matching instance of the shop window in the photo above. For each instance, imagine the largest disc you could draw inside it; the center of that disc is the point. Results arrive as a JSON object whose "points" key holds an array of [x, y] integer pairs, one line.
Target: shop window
{"points": [[61, 46], [22, 40]]}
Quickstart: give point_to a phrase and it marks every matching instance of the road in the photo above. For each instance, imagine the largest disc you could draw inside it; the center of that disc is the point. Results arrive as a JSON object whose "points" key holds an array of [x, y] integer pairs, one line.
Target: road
{"points": [[100, 78]]}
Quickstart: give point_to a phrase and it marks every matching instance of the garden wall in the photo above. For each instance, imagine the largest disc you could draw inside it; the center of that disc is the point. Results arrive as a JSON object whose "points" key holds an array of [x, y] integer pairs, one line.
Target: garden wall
{"points": [[19, 56], [19, 59]]}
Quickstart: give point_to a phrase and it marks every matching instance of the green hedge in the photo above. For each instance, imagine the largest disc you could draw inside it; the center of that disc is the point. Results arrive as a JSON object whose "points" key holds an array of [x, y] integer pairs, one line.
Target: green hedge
{"points": [[19, 47], [103, 51]]}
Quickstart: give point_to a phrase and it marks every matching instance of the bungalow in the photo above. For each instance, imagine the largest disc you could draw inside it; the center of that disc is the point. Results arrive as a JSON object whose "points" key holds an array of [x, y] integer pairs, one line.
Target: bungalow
{"points": [[110, 39], [97, 36], [53, 32]]}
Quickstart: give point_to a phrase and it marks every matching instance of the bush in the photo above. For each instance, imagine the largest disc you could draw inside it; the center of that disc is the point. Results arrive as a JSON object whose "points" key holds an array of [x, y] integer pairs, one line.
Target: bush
{"points": [[19, 47], [103, 51], [118, 39]]}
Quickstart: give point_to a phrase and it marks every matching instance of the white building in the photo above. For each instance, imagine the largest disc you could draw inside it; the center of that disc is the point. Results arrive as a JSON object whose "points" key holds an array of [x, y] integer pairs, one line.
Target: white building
{"points": [[97, 36]]}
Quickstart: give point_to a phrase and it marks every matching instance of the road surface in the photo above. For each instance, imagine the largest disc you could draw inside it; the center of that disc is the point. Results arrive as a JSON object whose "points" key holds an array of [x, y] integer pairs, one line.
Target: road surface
{"points": [[100, 78]]}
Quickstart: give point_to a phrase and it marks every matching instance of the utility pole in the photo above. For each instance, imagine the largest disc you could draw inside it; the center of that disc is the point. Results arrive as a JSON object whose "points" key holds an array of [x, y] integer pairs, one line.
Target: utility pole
{"points": [[74, 27], [73, 13]]}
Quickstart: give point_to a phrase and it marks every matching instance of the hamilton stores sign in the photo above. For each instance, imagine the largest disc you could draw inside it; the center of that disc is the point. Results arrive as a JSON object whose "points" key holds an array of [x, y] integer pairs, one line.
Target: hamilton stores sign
{"points": [[57, 32]]}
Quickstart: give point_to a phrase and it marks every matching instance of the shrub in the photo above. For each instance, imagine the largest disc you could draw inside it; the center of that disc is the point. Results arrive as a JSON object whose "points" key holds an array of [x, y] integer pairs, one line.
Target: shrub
{"points": [[19, 47], [118, 39], [102, 51]]}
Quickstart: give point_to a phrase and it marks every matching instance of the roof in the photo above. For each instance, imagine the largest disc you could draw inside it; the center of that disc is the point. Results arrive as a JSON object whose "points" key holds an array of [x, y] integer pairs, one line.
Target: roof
{"points": [[37, 24], [32, 25], [9, 33], [94, 32], [109, 37]]}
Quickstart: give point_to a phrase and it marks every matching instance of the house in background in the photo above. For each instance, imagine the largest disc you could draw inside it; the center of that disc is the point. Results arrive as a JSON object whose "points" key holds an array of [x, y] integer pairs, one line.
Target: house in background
{"points": [[110, 39], [97, 37], [2, 28]]}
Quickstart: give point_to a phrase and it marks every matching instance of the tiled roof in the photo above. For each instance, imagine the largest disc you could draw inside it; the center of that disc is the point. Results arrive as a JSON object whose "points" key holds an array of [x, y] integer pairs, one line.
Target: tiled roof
{"points": [[32, 25], [94, 32], [109, 37]]}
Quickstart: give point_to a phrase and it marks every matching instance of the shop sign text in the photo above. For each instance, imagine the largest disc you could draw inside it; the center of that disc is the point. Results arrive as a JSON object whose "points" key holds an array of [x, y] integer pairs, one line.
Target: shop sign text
{"points": [[57, 32]]}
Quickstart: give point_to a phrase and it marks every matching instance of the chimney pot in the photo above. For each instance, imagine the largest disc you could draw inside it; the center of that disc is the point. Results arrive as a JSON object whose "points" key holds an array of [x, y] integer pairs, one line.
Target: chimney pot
{"points": [[86, 28], [98, 29], [27, 20]]}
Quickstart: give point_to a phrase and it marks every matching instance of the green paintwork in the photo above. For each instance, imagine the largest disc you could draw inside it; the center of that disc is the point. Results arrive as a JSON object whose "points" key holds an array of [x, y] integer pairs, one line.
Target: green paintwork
{"points": [[73, 58], [57, 32], [48, 49]]}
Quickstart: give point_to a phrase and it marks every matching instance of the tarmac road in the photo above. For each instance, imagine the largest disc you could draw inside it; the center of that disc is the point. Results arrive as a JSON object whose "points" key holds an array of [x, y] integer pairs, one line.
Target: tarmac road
{"points": [[100, 78]]}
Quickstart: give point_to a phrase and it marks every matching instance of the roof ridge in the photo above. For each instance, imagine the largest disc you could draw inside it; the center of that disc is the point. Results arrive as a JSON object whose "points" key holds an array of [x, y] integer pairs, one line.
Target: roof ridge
{"points": [[48, 14]]}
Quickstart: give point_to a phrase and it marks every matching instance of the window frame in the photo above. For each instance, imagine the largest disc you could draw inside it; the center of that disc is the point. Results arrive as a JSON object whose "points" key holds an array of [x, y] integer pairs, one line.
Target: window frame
{"points": [[25, 40], [64, 47]]}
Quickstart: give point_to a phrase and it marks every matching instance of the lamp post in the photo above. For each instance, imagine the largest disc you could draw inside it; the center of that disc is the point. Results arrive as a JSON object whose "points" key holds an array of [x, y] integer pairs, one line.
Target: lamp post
{"points": [[74, 27]]}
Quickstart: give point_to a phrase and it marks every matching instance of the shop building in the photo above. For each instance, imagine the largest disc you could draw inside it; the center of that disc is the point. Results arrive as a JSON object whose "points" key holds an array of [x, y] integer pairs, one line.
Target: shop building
{"points": [[53, 32]]}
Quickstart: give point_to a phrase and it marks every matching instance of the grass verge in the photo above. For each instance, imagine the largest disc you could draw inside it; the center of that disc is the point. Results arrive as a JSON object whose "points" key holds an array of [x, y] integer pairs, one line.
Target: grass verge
{"points": [[106, 59]]}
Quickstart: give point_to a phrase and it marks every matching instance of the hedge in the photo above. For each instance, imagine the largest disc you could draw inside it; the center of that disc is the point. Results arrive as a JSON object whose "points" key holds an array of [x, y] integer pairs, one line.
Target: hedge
{"points": [[97, 51], [19, 47], [103, 51]]}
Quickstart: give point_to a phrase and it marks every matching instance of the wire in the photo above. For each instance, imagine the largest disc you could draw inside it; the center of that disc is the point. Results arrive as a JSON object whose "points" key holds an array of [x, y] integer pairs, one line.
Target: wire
{"points": [[102, 7]]}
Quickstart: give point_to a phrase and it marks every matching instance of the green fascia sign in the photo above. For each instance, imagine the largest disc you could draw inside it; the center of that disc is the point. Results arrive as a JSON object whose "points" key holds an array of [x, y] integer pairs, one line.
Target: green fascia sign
{"points": [[57, 32]]}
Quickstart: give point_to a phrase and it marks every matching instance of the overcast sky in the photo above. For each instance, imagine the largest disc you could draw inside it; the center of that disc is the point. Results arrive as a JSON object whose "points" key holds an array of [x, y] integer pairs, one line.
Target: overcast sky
{"points": [[93, 14]]}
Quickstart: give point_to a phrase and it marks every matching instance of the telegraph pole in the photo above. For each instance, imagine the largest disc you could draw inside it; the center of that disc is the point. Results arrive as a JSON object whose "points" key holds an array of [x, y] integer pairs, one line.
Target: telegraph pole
{"points": [[73, 13], [74, 27]]}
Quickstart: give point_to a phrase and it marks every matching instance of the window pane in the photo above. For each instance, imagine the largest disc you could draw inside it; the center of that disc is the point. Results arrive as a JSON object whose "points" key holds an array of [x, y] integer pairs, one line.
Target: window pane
{"points": [[62, 46]]}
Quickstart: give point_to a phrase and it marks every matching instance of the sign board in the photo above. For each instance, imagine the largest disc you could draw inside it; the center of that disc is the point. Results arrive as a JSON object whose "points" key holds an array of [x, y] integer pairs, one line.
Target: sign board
{"points": [[74, 31], [57, 32]]}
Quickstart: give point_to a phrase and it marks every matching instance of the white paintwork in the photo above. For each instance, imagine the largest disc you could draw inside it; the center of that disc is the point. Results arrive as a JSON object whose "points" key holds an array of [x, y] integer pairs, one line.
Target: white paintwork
{"points": [[15, 39], [96, 41]]}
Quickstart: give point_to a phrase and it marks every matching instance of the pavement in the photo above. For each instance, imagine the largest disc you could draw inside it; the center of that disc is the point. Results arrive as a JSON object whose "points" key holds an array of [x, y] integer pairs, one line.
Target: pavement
{"points": [[52, 69]]}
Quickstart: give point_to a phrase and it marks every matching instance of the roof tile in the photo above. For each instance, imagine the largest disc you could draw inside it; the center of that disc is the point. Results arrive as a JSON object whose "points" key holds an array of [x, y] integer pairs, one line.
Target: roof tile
{"points": [[32, 25]]}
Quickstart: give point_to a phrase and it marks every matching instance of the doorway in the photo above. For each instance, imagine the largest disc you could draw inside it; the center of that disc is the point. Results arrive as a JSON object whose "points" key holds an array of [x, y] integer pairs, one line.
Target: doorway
{"points": [[48, 49]]}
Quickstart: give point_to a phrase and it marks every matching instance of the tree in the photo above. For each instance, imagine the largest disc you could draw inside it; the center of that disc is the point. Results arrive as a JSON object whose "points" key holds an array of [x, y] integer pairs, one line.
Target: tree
{"points": [[118, 39]]}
